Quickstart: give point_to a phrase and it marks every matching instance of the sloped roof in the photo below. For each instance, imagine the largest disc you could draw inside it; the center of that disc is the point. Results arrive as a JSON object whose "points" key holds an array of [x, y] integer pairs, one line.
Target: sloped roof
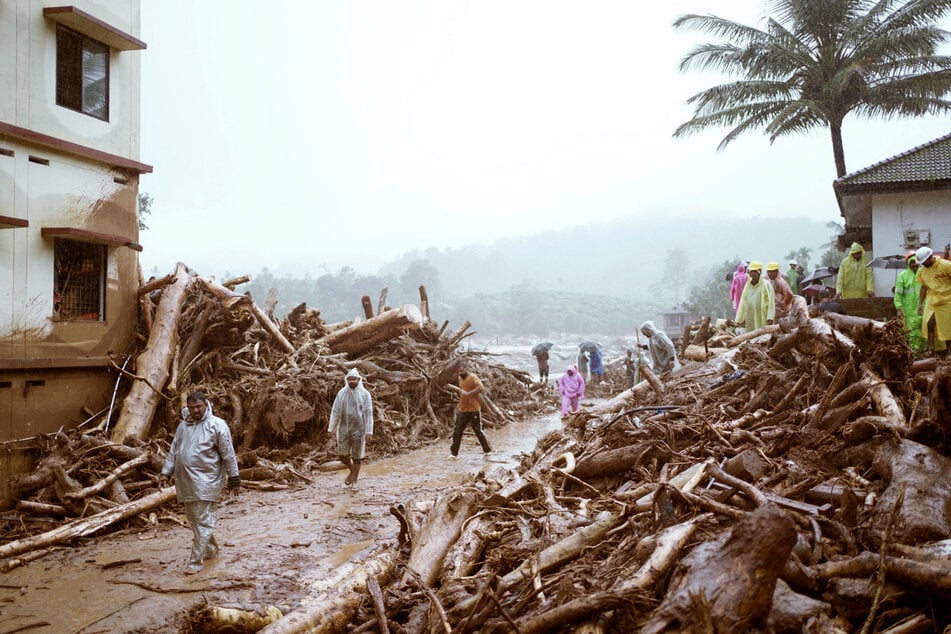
{"points": [[923, 167]]}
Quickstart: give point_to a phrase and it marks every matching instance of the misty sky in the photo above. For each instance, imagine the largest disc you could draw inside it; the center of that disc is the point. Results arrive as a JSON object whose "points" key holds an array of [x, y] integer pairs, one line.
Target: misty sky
{"points": [[305, 135]]}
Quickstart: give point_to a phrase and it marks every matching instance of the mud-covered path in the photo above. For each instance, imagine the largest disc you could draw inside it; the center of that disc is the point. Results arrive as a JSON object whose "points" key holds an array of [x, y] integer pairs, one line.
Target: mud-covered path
{"points": [[274, 545]]}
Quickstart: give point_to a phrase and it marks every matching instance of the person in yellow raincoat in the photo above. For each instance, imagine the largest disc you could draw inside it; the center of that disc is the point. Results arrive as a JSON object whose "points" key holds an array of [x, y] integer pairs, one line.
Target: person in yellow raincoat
{"points": [[934, 302], [757, 303], [855, 279]]}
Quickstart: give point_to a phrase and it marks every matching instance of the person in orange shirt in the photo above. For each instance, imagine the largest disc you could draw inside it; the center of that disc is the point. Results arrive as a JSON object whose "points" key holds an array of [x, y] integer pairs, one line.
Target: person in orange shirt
{"points": [[469, 410]]}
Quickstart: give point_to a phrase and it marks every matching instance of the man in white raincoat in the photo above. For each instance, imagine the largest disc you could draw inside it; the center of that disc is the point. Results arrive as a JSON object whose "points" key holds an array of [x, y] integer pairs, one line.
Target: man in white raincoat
{"points": [[201, 460], [660, 347], [351, 418]]}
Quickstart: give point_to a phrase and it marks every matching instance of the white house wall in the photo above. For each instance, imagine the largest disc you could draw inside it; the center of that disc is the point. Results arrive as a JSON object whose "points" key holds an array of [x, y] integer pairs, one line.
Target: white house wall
{"points": [[33, 104], [893, 214]]}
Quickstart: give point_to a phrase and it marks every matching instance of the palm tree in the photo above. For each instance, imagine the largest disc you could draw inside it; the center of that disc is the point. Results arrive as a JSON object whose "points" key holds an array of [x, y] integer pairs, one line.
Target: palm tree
{"points": [[817, 61]]}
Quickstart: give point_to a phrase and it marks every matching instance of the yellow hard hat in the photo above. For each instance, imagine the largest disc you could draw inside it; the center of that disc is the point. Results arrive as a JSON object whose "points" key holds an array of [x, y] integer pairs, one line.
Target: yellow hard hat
{"points": [[772, 266], [756, 266]]}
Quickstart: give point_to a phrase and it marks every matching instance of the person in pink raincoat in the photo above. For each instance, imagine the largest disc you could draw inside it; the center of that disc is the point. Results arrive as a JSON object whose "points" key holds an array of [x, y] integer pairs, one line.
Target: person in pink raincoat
{"points": [[571, 386], [739, 281]]}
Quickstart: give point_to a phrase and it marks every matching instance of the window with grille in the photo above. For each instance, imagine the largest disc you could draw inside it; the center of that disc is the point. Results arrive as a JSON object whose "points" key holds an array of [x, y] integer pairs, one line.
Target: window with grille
{"points": [[82, 73], [79, 280]]}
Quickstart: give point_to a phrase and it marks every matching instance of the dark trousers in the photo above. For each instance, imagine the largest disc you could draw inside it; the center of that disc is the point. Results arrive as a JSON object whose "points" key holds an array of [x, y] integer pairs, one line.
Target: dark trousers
{"points": [[473, 420]]}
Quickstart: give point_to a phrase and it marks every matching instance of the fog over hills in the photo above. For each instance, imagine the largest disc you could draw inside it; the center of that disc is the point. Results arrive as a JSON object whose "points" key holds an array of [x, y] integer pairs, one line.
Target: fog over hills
{"points": [[622, 259]]}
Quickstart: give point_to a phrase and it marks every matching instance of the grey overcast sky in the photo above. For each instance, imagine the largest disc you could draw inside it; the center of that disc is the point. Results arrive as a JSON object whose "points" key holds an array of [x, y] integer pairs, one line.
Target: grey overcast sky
{"points": [[305, 135]]}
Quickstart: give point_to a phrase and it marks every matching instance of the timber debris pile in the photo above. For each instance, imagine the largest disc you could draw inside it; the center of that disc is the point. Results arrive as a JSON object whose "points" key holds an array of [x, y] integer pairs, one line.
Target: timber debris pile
{"points": [[794, 480], [273, 380], [789, 479]]}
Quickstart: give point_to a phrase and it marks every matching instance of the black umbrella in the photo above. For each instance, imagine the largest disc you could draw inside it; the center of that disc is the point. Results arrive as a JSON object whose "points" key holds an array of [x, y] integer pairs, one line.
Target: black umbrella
{"points": [[888, 262], [813, 290], [540, 347], [590, 346], [820, 273]]}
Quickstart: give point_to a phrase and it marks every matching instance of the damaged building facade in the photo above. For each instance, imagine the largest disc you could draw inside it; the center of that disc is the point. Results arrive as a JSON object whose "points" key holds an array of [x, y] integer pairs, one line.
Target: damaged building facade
{"points": [[69, 184]]}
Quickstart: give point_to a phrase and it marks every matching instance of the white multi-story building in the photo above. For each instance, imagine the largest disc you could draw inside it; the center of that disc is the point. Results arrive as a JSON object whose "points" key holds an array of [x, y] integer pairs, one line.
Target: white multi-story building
{"points": [[69, 183]]}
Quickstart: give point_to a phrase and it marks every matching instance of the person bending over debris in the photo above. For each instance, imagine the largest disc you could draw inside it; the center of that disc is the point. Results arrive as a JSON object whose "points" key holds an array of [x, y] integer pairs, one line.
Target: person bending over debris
{"points": [[469, 410], [201, 460], [351, 418], [660, 347], [571, 387]]}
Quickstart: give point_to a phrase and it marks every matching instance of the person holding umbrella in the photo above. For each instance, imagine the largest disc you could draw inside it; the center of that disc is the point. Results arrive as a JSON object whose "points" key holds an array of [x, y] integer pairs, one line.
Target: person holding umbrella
{"points": [[540, 352], [907, 291]]}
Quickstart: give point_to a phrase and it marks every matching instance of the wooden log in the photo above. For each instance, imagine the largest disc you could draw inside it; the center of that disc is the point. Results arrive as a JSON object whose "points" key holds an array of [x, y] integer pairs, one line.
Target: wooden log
{"points": [[919, 481], [847, 322], [553, 556], [701, 353], [40, 508], [87, 525], [156, 284], [441, 530], [751, 555], [217, 618], [933, 577], [381, 303], [666, 549], [424, 302], [361, 337], [232, 298], [753, 334], [652, 379], [336, 599], [611, 461], [884, 401], [114, 475], [152, 366], [367, 304]]}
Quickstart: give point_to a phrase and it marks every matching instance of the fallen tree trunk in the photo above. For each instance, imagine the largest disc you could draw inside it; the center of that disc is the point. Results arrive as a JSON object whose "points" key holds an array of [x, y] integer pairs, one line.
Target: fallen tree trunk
{"points": [[332, 610], [138, 407], [88, 525], [442, 529], [109, 479], [919, 481], [360, 337], [751, 556]]}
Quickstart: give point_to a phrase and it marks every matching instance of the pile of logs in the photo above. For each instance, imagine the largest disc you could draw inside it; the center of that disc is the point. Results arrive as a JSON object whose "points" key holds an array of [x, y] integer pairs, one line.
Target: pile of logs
{"points": [[272, 380], [795, 481]]}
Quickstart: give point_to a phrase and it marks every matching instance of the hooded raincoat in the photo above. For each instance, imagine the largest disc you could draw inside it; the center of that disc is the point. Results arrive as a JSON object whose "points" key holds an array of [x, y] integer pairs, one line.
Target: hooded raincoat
{"points": [[201, 458], [907, 290], [855, 279], [351, 417], [736, 286], [792, 278], [660, 347], [571, 387], [757, 305], [937, 279]]}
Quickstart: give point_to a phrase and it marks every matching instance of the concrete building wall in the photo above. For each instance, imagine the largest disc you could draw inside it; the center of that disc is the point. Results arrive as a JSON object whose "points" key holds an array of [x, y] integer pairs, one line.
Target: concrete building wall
{"points": [[894, 214]]}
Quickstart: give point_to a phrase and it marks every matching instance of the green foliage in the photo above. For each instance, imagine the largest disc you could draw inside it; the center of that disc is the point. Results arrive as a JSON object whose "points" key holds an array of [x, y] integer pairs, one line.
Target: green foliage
{"points": [[713, 297], [145, 208], [816, 62]]}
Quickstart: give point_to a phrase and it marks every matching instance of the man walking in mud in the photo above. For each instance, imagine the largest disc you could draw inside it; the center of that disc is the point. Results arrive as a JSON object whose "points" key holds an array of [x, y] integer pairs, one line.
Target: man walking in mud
{"points": [[351, 418], [201, 460], [469, 410]]}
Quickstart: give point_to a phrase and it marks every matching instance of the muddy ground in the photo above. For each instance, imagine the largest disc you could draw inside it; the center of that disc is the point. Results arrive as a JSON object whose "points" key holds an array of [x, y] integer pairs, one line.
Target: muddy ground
{"points": [[274, 545]]}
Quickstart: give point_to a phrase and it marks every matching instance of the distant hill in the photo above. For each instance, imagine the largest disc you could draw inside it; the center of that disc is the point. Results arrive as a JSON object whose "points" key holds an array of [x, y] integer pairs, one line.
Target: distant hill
{"points": [[621, 259]]}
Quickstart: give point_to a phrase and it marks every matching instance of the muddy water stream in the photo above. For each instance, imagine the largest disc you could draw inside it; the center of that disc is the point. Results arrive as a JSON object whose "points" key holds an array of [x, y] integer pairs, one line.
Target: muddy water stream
{"points": [[274, 545]]}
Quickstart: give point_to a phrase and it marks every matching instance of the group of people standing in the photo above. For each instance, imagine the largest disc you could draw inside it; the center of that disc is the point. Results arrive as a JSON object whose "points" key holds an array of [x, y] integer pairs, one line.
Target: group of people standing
{"points": [[923, 300], [759, 302]]}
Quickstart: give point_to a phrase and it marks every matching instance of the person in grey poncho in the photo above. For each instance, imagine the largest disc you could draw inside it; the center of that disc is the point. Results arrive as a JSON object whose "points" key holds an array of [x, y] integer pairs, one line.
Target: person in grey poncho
{"points": [[351, 418], [201, 460], [661, 348]]}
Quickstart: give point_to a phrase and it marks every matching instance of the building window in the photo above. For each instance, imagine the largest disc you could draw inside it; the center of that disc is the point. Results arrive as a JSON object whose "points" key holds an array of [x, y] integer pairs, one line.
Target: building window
{"points": [[82, 73], [79, 280]]}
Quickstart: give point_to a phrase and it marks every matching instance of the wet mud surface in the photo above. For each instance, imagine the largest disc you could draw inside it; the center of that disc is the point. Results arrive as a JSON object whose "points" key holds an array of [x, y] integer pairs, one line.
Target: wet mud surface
{"points": [[274, 545]]}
